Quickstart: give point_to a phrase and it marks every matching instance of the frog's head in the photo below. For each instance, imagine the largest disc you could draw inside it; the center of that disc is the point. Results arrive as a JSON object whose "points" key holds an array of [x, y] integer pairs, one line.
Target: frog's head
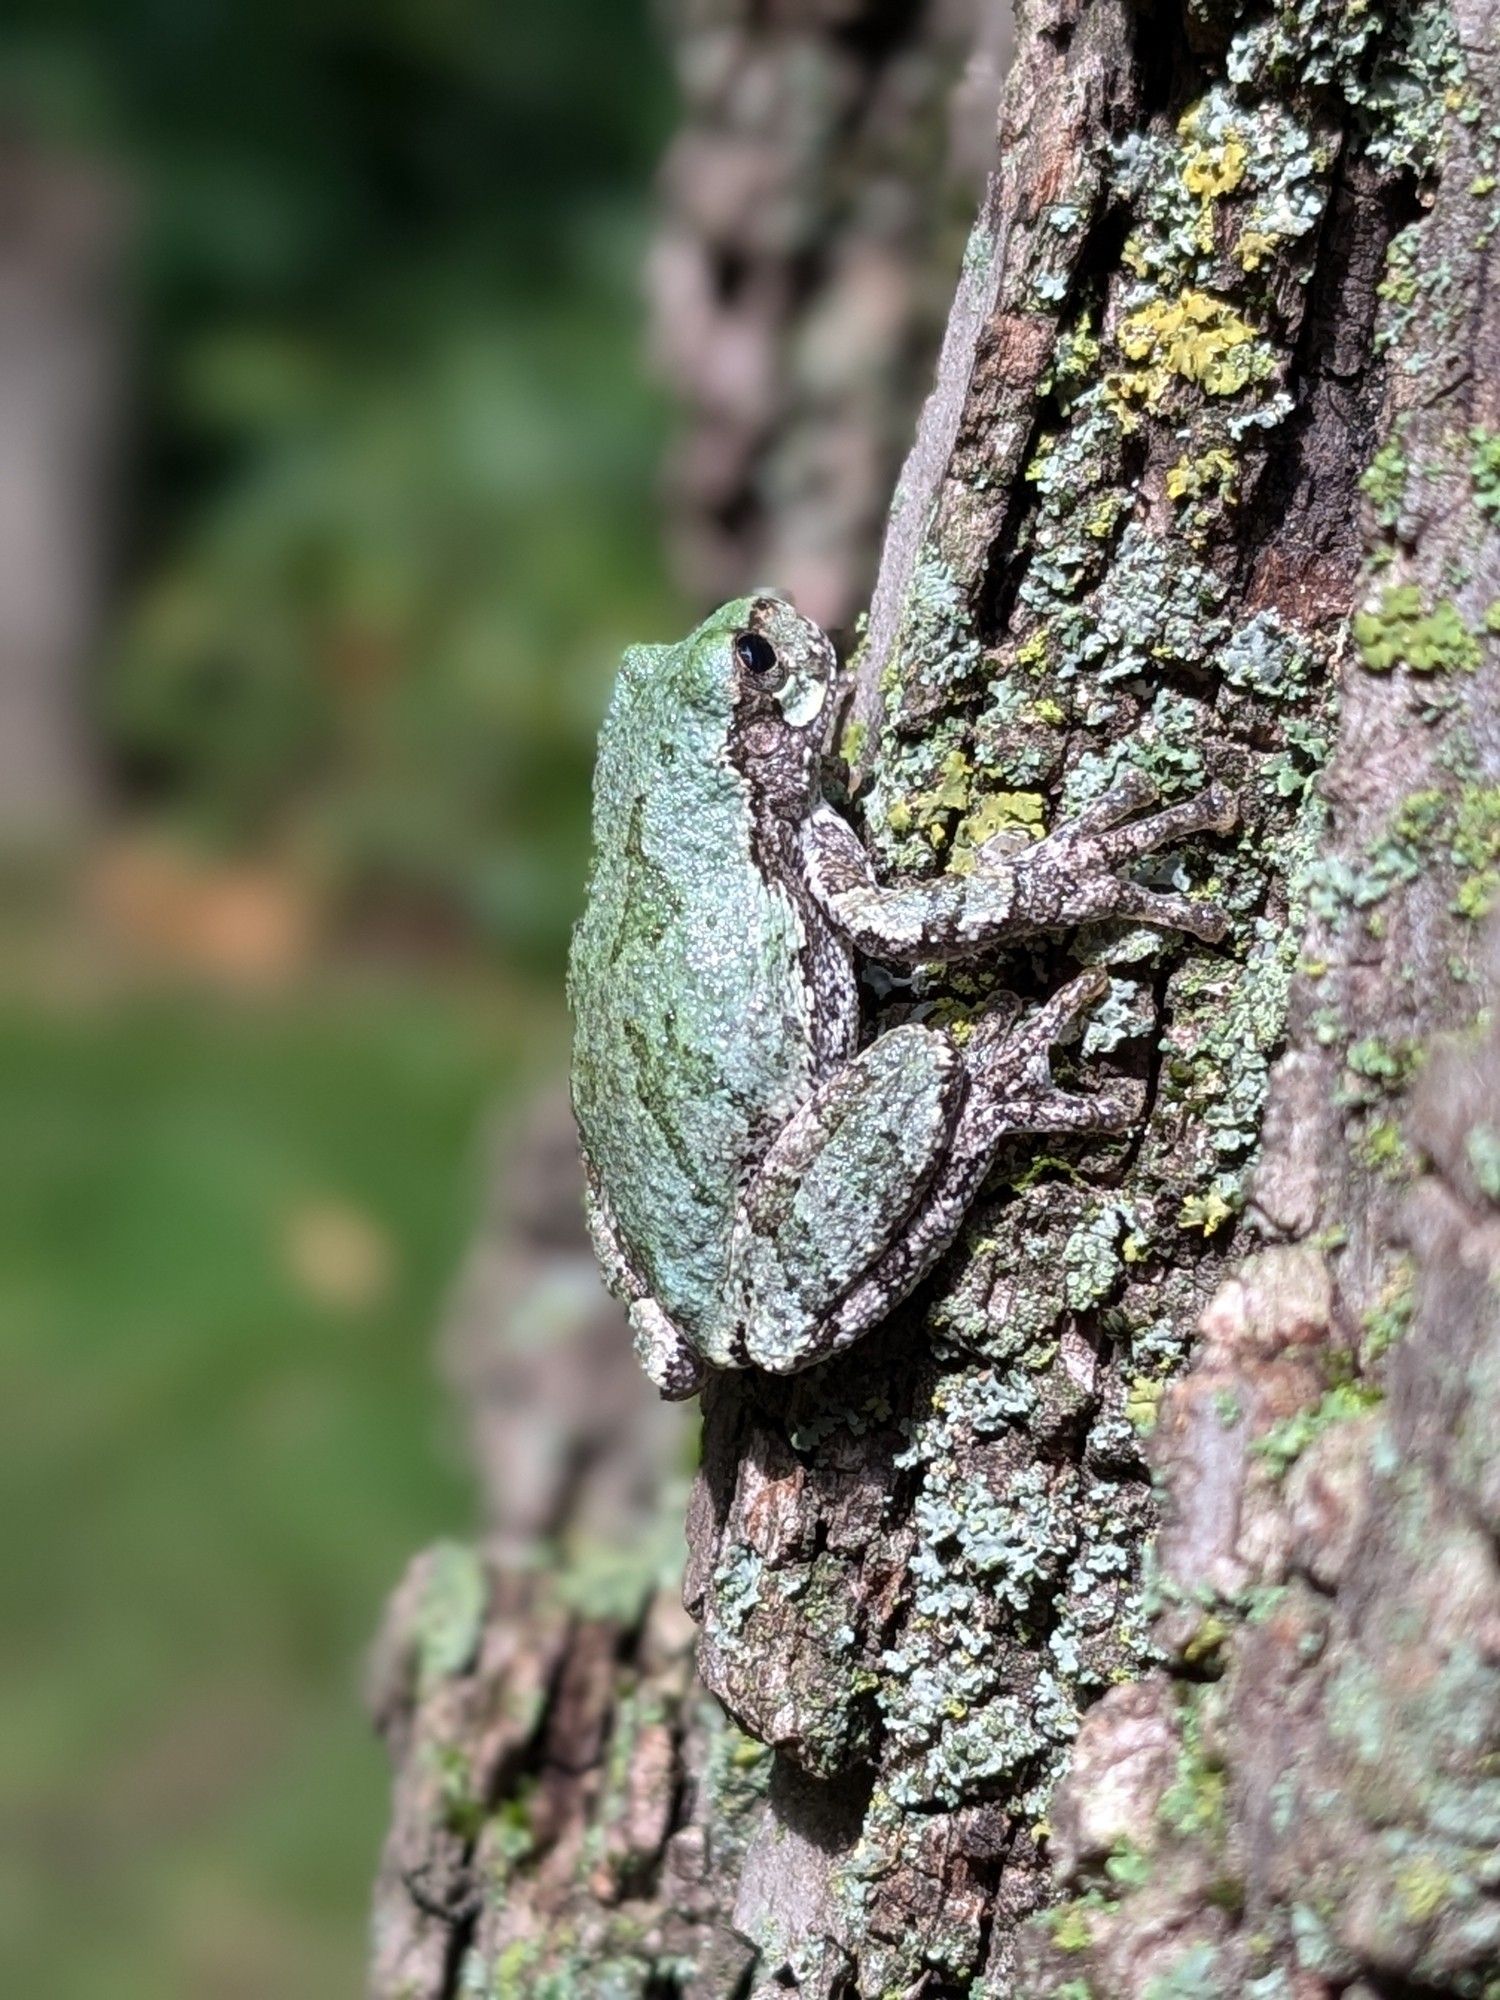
{"points": [[784, 664], [781, 668], [758, 662]]}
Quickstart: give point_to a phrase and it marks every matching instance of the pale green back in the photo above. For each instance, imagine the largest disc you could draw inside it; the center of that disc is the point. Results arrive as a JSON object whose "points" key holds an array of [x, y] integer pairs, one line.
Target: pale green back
{"points": [[688, 1056]]}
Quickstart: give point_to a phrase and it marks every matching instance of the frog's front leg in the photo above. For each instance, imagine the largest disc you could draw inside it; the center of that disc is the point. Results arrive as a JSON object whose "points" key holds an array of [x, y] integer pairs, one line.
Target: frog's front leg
{"points": [[664, 1351], [1069, 878]]}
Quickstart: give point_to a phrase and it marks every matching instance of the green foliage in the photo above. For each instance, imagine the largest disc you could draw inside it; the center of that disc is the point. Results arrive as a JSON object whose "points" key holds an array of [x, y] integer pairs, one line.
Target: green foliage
{"points": [[389, 639], [216, 1459], [390, 532]]}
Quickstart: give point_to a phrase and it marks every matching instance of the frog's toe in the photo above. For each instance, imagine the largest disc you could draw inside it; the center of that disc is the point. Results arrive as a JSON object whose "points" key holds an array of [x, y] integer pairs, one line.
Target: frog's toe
{"points": [[669, 1359], [1213, 810], [1018, 1055], [1067, 1007], [1131, 793], [1205, 921], [1113, 1110]]}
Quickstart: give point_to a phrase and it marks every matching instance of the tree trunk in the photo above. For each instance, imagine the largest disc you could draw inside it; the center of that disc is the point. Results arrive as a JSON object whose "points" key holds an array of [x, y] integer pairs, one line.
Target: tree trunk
{"points": [[62, 334], [1208, 485], [813, 208]]}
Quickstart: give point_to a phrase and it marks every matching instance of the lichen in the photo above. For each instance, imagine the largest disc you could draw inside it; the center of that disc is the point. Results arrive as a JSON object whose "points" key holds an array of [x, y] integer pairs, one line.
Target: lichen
{"points": [[1196, 337], [1384, 482], [1484, 469], [1394, 67], [1284, 1443], [1404, 632], [450, 1615]]}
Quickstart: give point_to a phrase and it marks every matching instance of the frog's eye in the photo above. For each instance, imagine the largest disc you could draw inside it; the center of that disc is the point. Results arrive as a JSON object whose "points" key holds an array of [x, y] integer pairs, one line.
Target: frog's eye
{"points": [[756, 654]]}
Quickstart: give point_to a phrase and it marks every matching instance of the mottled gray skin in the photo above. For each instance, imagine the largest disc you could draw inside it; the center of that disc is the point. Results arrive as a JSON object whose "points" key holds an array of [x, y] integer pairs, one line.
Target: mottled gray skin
{"points": [[761, 1190]]}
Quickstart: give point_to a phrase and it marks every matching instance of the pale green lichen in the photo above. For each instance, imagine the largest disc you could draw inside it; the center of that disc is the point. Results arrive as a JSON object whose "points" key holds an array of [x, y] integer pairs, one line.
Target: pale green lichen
{"points": [[450, 1614], [1484, 469], [1433, 827], [1384, 482], [1403, 631], [1395, 67], [1284, 1443]]}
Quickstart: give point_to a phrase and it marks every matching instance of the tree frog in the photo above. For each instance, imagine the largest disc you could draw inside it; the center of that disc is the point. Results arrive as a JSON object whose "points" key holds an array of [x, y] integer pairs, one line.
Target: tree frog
{"points": [[760, 1188]]}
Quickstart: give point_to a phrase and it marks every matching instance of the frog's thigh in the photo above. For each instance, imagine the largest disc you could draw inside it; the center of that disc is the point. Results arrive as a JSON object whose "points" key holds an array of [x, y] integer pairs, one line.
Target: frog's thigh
{"points": [[834, 1192]]}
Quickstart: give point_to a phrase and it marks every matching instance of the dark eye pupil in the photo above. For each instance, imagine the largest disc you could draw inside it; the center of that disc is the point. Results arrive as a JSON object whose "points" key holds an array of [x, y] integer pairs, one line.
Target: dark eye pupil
{"points": [[755, 654]]}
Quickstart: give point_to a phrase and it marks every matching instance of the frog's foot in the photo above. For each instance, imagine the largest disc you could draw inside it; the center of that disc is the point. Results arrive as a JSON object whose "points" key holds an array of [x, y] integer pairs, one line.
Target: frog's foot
{"points": [[665, 1353], [1070, 877], [1010, 1070], [833, 1194]]}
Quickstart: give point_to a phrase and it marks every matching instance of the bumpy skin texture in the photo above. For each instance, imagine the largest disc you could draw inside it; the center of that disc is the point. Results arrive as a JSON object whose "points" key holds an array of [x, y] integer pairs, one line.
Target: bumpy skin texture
{"points": [[762, 1191]]}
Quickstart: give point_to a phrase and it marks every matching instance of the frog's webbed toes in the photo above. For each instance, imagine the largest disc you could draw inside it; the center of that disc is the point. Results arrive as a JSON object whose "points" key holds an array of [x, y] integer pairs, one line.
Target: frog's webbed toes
{"points": [[1017, 1068]]}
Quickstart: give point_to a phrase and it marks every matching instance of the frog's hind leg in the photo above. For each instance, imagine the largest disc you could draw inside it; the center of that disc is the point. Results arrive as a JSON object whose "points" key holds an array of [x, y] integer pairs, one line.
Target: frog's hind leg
{"points": [[663, 1350], [1010, 1090], [833, 1194]]}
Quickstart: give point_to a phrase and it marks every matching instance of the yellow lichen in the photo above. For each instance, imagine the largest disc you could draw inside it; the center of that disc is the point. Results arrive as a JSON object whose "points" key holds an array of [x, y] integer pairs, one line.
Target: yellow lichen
{"points": [[1133, 256], [1215, 170], [1214, 472], [1196, 337], [1143, 1403], [1020, 814], [1206, 1212], [1255, 247]]}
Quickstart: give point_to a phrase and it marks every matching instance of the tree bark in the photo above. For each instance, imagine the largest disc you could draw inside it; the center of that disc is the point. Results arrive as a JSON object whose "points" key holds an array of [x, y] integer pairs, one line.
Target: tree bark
{"points": [[813, 204], [570, 1805], [1091, 1662]]}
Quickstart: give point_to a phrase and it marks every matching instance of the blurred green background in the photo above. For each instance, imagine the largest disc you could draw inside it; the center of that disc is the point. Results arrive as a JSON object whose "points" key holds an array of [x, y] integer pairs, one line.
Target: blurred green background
{"points": [[380, 523]]}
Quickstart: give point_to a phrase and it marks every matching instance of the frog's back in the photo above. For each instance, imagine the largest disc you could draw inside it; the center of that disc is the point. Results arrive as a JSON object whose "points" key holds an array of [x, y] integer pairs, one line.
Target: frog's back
{"points": [[684, 983]]}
